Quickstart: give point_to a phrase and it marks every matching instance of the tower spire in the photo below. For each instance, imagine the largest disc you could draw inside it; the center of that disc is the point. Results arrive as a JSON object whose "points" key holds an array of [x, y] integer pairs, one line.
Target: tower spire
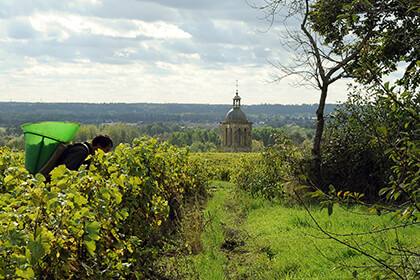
{"points": [[236, 98], [237, 85]]}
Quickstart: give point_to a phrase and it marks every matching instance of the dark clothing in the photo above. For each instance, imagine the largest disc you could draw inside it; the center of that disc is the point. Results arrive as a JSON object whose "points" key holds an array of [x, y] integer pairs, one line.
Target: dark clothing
{"points": [[74, 156]]}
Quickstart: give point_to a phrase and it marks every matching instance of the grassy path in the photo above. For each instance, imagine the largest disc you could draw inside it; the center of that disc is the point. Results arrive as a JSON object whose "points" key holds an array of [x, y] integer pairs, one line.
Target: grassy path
{"points": [[251, 238], [222, 238]]}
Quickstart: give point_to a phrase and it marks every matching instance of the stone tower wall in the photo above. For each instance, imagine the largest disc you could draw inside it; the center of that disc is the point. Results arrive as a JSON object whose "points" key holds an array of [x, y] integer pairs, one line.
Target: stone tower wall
{"points": [[236, 136]]}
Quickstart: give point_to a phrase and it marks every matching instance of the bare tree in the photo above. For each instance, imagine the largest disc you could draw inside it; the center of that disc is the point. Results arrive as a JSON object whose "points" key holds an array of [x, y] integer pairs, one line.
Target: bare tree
{"points": [[316, 62], [364, 40]]}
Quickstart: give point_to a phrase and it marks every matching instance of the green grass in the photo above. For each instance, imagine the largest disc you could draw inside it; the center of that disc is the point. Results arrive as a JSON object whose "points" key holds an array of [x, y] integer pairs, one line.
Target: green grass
{"points": [[251, 238], [295, 249], [212, 259], [290, 252]]}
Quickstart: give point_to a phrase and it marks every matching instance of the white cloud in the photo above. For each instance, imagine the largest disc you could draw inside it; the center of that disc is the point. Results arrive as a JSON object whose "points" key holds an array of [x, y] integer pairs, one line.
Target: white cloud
{"points": [[66, 24], [139, 51]]}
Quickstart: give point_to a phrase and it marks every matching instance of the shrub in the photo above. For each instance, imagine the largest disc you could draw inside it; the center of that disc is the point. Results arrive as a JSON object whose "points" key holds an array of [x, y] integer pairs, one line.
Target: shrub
{"points": [[354, 155], [388, 123], [265, 176], [221, 166], [99, 222]]}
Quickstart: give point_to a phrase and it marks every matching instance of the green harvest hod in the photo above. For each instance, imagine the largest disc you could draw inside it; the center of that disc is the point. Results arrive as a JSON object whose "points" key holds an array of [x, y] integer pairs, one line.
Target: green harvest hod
{"points": [[42, 139]]}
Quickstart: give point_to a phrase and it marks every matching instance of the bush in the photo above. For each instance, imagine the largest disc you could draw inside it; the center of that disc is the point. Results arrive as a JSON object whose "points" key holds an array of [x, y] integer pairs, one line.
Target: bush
{"points": [[221, 166], [101, 222], [382, 131], [354, 155], [265, 176]]}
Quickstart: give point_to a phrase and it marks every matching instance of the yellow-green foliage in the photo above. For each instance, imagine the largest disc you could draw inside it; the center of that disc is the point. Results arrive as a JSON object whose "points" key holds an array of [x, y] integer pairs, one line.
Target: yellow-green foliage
{"points": [[221, 166], [9, 159], [266, 175], [98, 222]]}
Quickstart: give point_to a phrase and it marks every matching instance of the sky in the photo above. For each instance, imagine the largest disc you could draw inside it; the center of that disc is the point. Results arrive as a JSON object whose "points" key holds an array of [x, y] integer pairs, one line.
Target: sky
{"points": [[133, 51]]}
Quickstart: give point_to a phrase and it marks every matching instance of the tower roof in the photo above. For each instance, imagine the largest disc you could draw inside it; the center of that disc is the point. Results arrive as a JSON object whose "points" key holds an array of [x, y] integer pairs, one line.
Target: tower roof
{"points": [[236, 112]]}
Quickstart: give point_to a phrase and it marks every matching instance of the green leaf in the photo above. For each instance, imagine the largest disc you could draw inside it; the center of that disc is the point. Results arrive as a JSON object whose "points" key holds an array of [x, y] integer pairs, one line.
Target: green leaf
{"points": [[302, 177], [383, 130], [413, 8], [90, 246], [112, 169], [105, 193], [383, 191], [39, 244], [397, 195], [8, 179], [16, 237], [58, 172], [118, 196], [92, 229], [80, 200], [28, 273], [301, 187]]}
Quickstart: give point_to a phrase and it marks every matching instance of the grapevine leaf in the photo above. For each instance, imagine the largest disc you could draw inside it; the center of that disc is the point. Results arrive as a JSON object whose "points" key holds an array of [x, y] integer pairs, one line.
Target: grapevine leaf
{"points": [[92, 229], [39, 244], [90, 246], [16, 237], [28, 273], [8, 179]]}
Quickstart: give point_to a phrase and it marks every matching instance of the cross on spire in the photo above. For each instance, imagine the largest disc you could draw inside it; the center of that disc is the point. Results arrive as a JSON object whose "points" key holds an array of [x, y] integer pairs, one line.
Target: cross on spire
{"points": [[236, 99]]}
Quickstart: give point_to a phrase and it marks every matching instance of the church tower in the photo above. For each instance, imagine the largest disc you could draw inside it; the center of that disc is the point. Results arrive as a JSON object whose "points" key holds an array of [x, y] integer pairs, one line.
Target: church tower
{"points": [[236, 129]]}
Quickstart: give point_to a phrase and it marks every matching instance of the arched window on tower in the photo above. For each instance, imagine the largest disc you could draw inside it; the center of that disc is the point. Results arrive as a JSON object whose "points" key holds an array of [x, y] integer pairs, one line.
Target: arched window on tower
{"points": [[229, 143], [226, 135], [238, 137]]}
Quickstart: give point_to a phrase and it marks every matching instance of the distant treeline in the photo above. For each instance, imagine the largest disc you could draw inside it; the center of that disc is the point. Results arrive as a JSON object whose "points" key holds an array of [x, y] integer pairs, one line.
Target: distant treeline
{"points": [[198, 138], [16, 113]]}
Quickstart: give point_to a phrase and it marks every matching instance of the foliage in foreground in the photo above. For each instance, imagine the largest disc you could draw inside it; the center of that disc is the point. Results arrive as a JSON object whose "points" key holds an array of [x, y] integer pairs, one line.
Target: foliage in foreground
{"points": [[102, 222]]}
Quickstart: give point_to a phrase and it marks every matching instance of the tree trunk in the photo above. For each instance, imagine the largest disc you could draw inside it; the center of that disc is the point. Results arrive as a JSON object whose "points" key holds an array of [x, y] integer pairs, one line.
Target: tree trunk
{"points": [[316, 150]]}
